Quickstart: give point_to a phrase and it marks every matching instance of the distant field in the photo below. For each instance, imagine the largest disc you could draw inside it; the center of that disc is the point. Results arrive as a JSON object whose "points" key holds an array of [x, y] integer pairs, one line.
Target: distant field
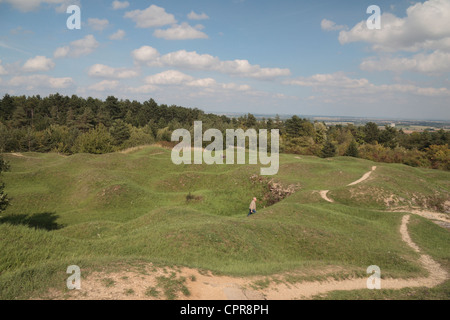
{"points": [[95, 211], [410, 129]]}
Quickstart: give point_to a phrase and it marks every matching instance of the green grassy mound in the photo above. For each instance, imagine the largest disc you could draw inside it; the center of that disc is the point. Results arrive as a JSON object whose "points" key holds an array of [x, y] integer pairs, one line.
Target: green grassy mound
{"points": [[95, 210]]}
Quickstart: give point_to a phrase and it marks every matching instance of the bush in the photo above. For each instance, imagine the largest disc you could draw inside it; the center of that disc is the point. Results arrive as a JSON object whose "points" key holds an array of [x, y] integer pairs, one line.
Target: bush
{"points": [[378, 153], [164, 135], [439, 156], [138, 137], [302, 145], [96, 141]]}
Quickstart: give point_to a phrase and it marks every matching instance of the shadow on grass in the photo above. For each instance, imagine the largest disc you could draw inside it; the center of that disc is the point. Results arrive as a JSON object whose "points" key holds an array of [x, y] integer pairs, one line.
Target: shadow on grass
{"points": [[43, 221]]}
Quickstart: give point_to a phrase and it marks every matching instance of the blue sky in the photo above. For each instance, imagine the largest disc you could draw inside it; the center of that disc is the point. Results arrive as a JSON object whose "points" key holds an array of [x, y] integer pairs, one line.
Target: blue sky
{"points": [[259, 56]]}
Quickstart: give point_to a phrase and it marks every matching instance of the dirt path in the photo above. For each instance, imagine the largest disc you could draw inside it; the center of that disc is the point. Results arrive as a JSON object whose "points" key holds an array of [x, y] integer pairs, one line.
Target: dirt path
{"points": [[17, 154], [324, 193], [135, 283], [363, 178]]}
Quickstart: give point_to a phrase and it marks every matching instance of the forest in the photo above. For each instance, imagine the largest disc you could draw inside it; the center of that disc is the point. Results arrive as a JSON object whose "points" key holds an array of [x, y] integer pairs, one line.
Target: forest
{"points": [[70, 125]]}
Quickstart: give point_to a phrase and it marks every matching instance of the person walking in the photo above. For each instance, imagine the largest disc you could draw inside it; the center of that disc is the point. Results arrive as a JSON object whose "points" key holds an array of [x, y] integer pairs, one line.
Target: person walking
{"points": [[252, 208]]}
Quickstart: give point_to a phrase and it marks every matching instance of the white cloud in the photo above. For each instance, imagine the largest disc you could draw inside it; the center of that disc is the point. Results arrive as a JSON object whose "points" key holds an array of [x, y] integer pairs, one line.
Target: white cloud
{"points": [[189, 86], [60, 83], [338, 79], [329, 25], [105, 85], [145, 55], [189, 60], [207, 82], [237, 87], [118, 5], [119, 35], [170, 77], [181, 32], [195, 16], [244, 68], [436, 62], [98, 24], [338, 84], [77, 48], [103, 71], [177, 78], [61, 52], [425, 30], [41, 81], [38, 63], [426, 26], [153, 16], [194, 61]]}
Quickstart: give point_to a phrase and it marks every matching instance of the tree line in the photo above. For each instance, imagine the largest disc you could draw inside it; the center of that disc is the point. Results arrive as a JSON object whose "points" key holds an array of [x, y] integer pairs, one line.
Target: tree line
{"points": [[77, 125]]}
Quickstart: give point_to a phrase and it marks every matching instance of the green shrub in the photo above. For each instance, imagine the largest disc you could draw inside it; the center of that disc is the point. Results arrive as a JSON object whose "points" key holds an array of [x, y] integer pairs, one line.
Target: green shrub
{"points": [[96, 141]]}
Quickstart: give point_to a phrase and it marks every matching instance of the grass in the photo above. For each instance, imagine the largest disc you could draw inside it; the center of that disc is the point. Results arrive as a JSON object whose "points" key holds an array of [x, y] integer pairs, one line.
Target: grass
{"points": [[108, 283], [129, 292], [152, 292], [93, 211], [430, 239], [172, 285]]}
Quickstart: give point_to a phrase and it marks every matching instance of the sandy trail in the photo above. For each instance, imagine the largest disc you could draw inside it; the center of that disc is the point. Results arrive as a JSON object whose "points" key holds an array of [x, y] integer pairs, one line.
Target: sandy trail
{"points": [[17, 154], [324, 193], [363, 178]]}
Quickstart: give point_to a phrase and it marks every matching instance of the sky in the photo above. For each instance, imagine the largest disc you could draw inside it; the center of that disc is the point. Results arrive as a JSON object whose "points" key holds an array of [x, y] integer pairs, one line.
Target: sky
{"points": [[259, 56]]}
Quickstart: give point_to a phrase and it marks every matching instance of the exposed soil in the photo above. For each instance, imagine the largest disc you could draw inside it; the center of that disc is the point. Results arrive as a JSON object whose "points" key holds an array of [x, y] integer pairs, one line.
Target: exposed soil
{"points": [[17, 155], [363, 178], [324, 195], [274, 191]]}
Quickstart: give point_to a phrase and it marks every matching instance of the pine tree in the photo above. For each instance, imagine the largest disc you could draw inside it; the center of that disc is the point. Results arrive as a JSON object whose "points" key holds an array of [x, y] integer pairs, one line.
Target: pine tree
{"points": [[20, 117], [6, 107], [352, 150], [250, 121], [113, 106], [70, 118], [328, 150], [86, 121], [104, 116], [371, 132], [120, 132]]}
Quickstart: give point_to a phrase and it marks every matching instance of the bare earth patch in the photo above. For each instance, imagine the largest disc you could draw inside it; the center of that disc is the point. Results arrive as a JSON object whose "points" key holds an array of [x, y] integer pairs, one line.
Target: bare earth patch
{"points": [[324, 195], [17, 155]]}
